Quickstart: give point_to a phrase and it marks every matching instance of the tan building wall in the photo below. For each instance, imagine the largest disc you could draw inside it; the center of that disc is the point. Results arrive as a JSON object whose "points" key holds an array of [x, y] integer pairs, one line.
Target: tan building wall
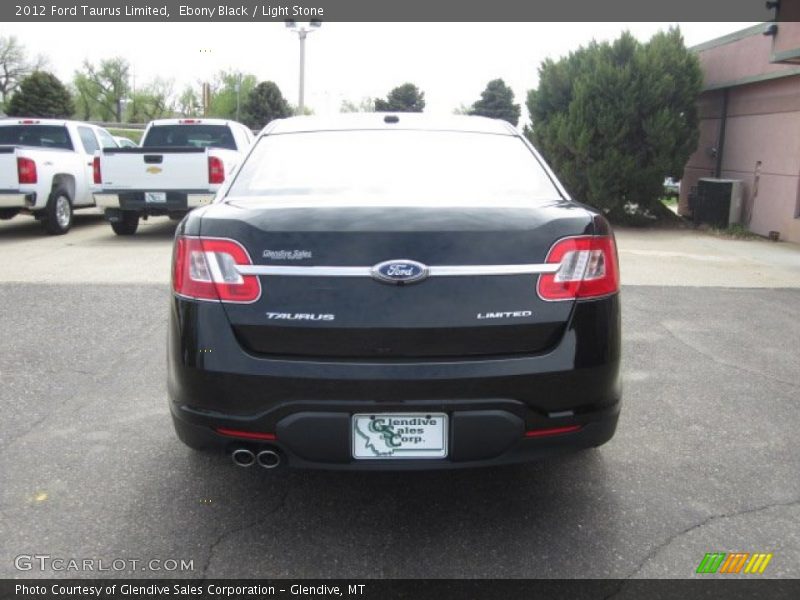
{"points": [[762, 128]]}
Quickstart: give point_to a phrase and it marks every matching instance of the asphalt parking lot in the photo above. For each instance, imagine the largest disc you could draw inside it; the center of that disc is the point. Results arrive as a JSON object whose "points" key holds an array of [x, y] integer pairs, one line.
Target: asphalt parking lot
{"points": [[705, 458]]}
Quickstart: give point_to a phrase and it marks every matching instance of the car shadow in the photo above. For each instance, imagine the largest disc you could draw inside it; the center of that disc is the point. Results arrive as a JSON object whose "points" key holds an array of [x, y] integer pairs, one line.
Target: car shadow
{"points": [[25, 226], [156, 230]]}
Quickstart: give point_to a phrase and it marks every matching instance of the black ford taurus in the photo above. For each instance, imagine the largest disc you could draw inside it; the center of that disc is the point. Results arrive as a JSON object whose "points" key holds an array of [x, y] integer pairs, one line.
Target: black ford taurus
{"points": [[394, 292]]}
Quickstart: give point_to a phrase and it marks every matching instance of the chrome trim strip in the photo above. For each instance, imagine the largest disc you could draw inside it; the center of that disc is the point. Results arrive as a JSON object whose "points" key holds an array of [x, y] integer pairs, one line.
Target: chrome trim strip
{"points": [[434, 271], [455, 271]]}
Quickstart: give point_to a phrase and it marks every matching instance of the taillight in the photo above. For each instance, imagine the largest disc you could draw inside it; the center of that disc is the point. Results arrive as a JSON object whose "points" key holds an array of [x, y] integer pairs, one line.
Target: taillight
{"points": [[96, 175], [588, 269], [26, 170], [216, 170], [205, 269]]}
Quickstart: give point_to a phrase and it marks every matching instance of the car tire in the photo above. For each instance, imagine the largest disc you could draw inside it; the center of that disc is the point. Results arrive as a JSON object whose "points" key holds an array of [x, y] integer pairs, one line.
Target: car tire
{"points": [[57, 217], [127, 224], [8, 213]]}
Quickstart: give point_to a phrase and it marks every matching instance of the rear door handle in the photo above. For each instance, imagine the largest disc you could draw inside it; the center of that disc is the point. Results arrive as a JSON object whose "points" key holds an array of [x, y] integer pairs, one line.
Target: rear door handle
{"points": [[153, 159]]}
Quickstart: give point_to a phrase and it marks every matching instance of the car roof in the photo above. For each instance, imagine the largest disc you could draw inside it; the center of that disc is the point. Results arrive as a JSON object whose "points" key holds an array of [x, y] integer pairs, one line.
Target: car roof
{"points": [[389, 121]]}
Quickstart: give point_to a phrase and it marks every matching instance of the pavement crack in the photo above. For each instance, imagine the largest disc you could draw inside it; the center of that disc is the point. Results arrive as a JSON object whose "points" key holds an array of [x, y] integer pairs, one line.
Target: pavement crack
{"points": [[231, 532], [652, 554], [717, 360]]}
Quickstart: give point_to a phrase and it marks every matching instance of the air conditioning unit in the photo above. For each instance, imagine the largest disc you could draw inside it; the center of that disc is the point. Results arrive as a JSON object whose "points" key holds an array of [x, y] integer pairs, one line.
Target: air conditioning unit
{"points": [[718, 202]]}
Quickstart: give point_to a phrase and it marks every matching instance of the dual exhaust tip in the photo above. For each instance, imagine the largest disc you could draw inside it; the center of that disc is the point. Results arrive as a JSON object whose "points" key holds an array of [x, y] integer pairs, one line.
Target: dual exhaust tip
{"points": [[243, 457]]}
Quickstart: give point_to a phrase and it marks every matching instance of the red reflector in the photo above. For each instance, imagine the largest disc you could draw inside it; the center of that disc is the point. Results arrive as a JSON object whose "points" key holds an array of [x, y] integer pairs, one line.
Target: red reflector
{"points": [[26, 170], [216, 170], [97, 177], [248, 435], [206, 269], [588, 269], [552, 431]]}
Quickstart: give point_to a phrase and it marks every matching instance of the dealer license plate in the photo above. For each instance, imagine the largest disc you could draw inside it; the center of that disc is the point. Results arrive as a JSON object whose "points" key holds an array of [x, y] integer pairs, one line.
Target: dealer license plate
{"points": [[401, 435], [155, 197]]}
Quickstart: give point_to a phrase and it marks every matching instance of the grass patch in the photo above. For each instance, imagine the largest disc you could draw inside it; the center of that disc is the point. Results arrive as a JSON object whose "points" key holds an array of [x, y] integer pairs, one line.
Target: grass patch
{"points": [[132, 134], [670, 201], [737, 231]]}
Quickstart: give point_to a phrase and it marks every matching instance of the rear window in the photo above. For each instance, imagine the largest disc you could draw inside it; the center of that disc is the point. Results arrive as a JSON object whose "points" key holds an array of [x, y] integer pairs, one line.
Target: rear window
{"points": [[407, 163], [199, 136], [38, 136]]}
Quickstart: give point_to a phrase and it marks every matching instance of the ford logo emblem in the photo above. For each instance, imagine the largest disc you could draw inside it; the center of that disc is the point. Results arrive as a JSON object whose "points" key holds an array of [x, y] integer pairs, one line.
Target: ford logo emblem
{"points": [[400, 271]]}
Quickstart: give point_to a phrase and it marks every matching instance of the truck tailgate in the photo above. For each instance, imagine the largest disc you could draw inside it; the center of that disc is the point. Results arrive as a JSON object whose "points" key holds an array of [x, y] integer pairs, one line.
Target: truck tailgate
{"points": [[155, 168], [8, 168]]}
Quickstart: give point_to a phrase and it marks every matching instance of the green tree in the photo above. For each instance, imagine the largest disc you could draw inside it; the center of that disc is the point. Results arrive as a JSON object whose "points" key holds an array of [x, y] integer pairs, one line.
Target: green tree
{"points": [[189, 103], [497, 102], [15, 66], [404, 98], [41, 94], [364, 105], [85, 93], [264, 104], [614, 118], [101, 89], [152, 101], [229, 91]]}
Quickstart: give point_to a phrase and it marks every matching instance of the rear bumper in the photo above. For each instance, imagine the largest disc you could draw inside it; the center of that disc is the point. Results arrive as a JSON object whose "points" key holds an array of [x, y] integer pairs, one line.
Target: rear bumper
{"points": [[180, 201], [322, 440], [16, 199], [307, 405]]}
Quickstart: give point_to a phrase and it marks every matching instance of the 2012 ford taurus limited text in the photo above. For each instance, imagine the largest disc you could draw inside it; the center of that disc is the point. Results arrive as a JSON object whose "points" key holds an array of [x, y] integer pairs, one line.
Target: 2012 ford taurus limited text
{"points": [[393, 292]]}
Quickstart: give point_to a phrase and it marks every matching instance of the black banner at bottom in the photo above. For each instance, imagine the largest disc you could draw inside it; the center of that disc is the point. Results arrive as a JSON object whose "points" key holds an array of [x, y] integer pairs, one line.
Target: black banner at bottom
{"points": [[387, 589]]}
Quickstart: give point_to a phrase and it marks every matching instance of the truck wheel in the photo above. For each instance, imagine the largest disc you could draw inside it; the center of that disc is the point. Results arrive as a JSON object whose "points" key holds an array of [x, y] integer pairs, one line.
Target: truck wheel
{"points": [[8, 213], [127, 224], [58, 212]]}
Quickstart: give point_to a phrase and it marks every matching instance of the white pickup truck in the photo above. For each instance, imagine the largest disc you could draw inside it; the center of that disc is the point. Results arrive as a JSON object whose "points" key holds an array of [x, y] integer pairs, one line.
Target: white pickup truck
{"points": [[180, 165], [46, 168]]}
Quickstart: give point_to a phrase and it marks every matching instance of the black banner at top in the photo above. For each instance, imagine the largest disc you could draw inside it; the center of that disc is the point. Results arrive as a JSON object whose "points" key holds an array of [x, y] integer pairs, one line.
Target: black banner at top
{"points": [[386, 10]]}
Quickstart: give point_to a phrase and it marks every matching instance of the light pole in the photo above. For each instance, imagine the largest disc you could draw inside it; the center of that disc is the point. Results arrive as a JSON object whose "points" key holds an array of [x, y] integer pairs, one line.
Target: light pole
{"points": [[302, 32]]}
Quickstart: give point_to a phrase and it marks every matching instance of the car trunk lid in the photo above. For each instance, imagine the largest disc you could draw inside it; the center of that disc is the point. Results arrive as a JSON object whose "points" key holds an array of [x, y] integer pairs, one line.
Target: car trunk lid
{"points": [[319, 299]]}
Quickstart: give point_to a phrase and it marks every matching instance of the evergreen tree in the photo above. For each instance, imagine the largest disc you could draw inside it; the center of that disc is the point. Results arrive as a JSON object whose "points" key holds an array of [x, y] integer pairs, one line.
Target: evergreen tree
{"points": [[613, 119], [41, 94], [404, 98], [497, 102], [264, 104]]}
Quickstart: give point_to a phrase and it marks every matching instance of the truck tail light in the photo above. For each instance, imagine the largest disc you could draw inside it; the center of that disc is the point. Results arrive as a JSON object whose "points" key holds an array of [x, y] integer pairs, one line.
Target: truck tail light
{"points": [[26, 170], [205, 269], [216, 170], [588, 269], [97, 176]]}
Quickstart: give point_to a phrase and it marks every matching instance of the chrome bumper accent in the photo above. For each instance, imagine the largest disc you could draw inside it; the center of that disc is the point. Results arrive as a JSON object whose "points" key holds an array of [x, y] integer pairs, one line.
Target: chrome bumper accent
{"points": [[12, 200], [433, 271], [106, 200], [195, 200]]}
